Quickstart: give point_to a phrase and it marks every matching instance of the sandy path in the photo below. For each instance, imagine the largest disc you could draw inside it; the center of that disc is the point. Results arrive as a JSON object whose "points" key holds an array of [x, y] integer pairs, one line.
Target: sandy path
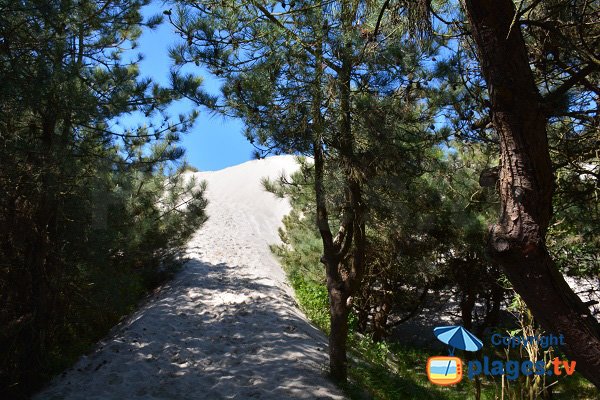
{"points": [[225, 326]]}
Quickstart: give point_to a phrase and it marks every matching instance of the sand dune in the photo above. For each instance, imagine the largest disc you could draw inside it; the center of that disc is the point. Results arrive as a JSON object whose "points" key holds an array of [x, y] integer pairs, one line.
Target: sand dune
{"points": [[226, 326]]}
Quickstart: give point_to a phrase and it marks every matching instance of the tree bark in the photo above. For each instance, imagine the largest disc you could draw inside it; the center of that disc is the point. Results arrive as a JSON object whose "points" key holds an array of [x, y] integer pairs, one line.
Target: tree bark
{"points": [[518, 241], [338, 308], [334, 252]]}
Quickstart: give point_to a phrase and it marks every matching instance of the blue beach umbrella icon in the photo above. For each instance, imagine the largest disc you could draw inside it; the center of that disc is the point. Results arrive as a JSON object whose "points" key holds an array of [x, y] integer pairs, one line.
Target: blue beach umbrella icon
{"points": [[457, 337]]}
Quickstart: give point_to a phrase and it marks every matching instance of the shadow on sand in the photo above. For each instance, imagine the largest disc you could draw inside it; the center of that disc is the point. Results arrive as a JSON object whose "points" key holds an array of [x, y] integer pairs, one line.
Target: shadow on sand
{"points": [[212, 333]]}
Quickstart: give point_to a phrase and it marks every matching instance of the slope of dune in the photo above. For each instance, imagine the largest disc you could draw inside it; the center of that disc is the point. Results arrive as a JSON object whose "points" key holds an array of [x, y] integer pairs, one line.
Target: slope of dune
{"points": [[226, 326]]}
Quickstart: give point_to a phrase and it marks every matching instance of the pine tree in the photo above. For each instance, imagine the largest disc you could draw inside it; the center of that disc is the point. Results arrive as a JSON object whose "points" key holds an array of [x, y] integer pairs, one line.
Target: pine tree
{"points": [[325, 80], [80, 195], [527, 105]]}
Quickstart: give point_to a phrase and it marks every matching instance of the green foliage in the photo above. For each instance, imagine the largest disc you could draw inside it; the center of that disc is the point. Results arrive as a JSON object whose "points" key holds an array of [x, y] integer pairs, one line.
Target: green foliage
{"points": [[400, 374], [93, 213], [393, 371], [301, 246], [312, 298], [424, 234], [420, 224], [343, 82], [379, 369], [574, 237]]}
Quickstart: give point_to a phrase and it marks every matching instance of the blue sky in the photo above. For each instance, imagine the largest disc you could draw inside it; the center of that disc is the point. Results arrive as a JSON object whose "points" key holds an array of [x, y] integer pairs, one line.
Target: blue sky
{"points": [[214, 142]]}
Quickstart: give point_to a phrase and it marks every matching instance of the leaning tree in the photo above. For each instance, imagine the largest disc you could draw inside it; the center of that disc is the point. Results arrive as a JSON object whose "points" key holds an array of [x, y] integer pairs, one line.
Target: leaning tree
{"points": [[540, 63]]}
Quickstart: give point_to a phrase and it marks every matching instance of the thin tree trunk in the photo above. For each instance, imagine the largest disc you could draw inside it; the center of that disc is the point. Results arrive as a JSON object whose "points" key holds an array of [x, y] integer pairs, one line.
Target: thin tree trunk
{"points": [[332, 249], [338, 308], [518, 241], [333, 254], [343, 272], [467, 305], [337, 291]]}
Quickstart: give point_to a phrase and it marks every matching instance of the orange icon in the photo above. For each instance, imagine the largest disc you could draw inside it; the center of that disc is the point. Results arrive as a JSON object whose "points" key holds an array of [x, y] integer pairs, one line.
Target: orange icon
{"points": [[444, 370]]}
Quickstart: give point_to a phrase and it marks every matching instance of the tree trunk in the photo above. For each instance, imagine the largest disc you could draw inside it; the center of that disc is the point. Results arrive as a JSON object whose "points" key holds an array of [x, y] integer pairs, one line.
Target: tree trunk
{"points": [[382, 311], [380, 319], [518, 241], [467, 305], [333, 253], [494, 303], [336, 287], [338, 309], [343, 255]]}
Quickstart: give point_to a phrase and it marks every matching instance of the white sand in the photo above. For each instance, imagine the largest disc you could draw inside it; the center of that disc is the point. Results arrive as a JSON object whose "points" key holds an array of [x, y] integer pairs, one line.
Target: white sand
{"points": [[225, 326]]}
